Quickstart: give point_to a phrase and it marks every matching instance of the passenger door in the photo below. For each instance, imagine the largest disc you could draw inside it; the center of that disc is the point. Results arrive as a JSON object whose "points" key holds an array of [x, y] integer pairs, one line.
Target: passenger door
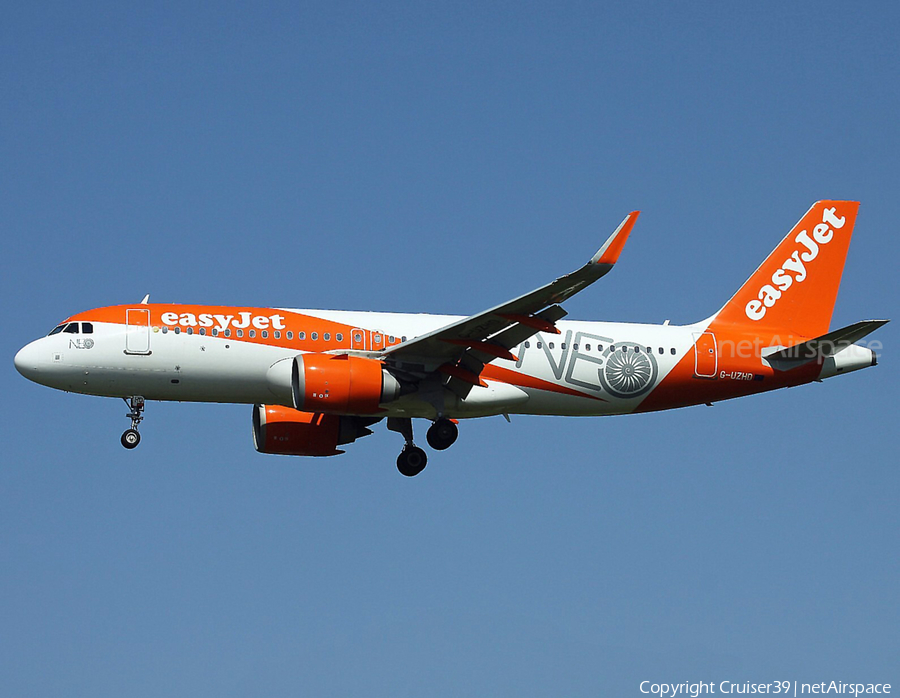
{"points": [[137, 331]]}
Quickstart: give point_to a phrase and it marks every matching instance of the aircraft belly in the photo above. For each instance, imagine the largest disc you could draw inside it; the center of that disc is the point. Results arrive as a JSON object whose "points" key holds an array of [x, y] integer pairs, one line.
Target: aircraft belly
{"points": [[190, 369]]}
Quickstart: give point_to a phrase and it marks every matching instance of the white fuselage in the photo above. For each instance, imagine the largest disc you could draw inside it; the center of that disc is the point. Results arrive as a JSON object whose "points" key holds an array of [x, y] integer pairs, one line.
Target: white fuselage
{"points": [[588, 368], [204, 368]]}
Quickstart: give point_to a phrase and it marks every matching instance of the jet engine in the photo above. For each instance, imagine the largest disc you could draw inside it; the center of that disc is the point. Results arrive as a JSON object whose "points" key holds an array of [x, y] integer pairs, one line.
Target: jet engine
{"points": [[341, 384], [289, 432]]}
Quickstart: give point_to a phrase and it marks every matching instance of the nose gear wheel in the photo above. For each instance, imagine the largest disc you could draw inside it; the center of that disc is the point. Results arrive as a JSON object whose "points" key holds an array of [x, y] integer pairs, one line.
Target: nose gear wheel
{"points": [[131, 438]]}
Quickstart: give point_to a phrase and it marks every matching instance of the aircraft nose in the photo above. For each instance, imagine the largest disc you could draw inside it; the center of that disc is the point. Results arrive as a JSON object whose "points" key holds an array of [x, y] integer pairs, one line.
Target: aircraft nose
{"points": [[26, 360]]}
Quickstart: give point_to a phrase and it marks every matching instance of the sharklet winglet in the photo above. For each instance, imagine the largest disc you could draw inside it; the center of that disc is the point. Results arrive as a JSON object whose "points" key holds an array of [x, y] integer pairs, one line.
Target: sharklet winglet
{"points": [[609, 253]]}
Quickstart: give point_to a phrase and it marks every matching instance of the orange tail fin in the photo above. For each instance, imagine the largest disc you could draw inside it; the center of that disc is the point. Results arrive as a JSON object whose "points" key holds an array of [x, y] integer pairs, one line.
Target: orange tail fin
{"points": [[794, 290]]}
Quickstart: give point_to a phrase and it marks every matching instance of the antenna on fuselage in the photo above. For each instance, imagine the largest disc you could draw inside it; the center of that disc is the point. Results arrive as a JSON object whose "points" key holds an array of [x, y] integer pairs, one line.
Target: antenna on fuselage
{"points": [[146, 299]]}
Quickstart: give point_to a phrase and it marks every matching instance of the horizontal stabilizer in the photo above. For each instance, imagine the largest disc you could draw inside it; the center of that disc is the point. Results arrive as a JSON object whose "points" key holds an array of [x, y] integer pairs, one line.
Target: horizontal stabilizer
{"points": [[826, 345]]}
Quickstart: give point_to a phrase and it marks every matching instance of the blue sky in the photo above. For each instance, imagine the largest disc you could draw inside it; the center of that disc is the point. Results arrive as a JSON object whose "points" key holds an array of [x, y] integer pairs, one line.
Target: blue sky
{"points": [[443, 158]]}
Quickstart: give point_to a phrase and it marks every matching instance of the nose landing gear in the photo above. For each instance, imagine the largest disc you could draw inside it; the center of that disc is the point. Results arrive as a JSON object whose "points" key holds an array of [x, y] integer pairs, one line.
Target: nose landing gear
{"points": [[132, 437]]}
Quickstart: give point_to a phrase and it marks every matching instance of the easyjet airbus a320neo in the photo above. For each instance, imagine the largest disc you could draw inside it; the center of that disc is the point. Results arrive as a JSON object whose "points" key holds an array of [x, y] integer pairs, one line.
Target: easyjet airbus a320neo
{"points": [[318, 379]]}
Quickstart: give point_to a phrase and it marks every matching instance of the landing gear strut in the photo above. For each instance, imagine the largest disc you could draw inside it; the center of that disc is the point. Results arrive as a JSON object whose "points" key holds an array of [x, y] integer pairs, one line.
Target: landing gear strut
{"points": [[412, 459], [442, 434], [132, 437]]}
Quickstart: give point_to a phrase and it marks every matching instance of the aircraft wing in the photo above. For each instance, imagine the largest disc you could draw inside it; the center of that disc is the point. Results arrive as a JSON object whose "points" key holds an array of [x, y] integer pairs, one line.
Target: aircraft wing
{"points": [[461, 349]]}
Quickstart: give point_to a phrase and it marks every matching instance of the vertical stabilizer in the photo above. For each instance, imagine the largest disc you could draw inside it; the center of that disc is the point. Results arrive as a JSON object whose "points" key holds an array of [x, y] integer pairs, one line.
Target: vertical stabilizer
{"points": [[795, 288]]}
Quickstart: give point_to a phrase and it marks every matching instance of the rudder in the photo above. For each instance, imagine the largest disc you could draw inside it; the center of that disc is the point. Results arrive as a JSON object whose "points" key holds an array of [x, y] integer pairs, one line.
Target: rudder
{"points": [[795, 288]]}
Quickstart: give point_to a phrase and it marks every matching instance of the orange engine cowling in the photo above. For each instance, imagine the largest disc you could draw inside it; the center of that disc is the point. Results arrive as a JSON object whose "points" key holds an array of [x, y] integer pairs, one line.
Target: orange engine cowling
{"points": [[289, 432], [341, 384]]}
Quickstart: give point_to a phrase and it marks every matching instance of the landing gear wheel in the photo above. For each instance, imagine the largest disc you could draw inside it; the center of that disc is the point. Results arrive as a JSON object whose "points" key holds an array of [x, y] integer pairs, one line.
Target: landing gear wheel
{"points": [[411, 461], [442, 434], [131, 438]]}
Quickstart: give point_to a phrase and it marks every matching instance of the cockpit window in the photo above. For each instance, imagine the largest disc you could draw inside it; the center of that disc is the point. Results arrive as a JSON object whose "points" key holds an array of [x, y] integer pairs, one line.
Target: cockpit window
{"points": [[71, 328], [56, 330], [87, 328]]}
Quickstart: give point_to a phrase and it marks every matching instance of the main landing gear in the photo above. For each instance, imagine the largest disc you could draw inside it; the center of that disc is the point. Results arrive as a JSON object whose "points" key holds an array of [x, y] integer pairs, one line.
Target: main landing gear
{"points": [[442, 434], [412, 459], [132, 437]]}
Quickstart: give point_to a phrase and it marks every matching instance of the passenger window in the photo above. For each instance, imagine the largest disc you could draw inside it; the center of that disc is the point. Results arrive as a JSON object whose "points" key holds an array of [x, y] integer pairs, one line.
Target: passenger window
{"points": [[538, 345], [637, 350], [190, 330], [661, 351], [71, 328], [302, 335], [528, 345], [87, 328], [177, 330], [575, 347], [202, 331], [599, 347], [240, 333], [314, 336], [290, 334], [357, 337], [403, 338], [587, 347], [391, 339], [252, 333], [563, 345], [673, 351], [265, 334], [327, 337], [165, 330], [215, 332], [551, 345], [227, 333], [277, 334], [339, 337]]}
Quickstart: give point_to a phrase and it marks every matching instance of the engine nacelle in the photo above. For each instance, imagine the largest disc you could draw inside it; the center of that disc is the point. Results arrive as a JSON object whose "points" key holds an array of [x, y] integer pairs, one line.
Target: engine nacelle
{"points": [[341, 384], [289, 432]]}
